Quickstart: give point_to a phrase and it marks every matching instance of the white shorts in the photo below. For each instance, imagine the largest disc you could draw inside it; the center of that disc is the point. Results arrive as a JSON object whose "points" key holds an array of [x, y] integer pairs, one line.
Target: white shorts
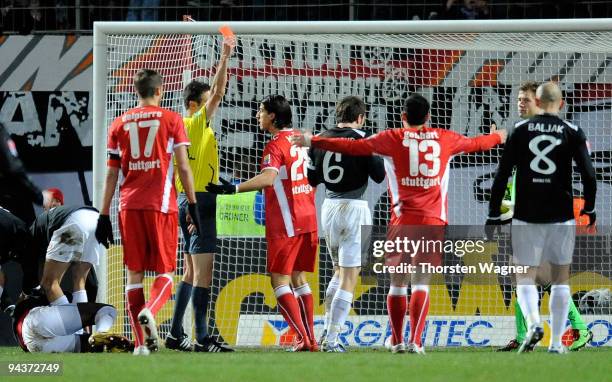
{"points": [[76, 240], [533, 243], [51, 329], [342, 220]]}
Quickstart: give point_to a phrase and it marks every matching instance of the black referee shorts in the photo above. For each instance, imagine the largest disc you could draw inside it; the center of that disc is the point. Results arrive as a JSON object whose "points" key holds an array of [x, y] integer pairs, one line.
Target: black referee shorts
{"points": [[205, 240]]}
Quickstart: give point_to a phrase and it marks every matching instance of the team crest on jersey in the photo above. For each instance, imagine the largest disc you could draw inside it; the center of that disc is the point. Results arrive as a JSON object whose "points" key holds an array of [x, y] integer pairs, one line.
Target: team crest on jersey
{"points": [[266, 160]]}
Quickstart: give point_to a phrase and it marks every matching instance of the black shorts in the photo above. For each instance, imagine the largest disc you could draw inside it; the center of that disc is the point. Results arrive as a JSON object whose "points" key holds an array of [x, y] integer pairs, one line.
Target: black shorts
{"points": [[205, 240]]}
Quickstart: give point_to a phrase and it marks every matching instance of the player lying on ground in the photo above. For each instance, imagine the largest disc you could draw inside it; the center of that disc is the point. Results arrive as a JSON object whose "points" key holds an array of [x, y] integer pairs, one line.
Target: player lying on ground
{"points": [[39, 327], [67, 236], [142, 144], [543, 228], [201, 102], [343, 213], [417, 160], [291, 220], [527, 108]]}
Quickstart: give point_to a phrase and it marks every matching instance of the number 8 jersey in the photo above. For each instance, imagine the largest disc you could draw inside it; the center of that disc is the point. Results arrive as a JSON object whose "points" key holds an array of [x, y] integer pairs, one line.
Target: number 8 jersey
{"points": [[141, 142], [290, 201], [417, 163]]}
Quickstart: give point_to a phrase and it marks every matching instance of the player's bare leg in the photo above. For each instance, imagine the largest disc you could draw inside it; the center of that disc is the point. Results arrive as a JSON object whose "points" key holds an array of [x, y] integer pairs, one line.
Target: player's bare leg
{"points": [[52, 276], [528, 297], [341, 306], [397, 306], [303, 295], [289, 308], [558, 305], [419, 308]]}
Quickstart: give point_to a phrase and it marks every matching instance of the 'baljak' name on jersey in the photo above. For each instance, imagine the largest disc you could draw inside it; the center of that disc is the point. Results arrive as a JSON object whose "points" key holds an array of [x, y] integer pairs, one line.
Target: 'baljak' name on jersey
{"points": [[545, 128]]}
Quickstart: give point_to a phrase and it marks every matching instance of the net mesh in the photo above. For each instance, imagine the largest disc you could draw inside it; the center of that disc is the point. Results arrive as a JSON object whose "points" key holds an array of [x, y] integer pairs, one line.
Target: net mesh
{"points": [[472, 81]]}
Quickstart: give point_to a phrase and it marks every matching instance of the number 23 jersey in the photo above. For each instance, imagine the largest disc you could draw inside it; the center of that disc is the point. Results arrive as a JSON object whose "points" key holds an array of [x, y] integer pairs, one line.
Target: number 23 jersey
{"points": [[141, 142], [290, 201]]}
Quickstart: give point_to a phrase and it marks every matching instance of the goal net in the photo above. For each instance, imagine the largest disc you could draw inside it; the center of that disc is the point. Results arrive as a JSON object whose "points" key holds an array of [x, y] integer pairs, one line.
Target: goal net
{"points": [[472, 80]]}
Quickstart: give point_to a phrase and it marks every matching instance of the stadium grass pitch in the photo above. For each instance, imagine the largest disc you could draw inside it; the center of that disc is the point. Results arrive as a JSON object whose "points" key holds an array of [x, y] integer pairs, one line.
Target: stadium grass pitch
{"points": [[370, 365]]}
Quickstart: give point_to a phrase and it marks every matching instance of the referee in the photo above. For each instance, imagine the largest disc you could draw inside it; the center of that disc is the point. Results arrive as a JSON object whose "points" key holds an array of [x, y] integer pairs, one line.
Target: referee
{"points": [[17, 192], [201, 102]]}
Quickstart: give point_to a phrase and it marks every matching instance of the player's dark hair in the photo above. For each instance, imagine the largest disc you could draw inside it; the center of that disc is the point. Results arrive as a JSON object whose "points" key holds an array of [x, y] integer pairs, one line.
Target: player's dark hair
{"points": [[349, 109], [278, 105], [146, 81], [529, 86], [416, 109], [194, 91]]}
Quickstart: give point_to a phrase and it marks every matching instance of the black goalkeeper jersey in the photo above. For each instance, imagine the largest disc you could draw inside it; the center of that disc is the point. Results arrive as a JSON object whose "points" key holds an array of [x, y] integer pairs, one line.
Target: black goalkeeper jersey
{"points": [[542, 149], [341, 173]]}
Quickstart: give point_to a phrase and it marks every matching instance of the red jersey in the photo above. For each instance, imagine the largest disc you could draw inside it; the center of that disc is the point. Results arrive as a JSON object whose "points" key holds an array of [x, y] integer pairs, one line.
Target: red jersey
{"points": [[417, 162], [290, 201], [145, 139]]}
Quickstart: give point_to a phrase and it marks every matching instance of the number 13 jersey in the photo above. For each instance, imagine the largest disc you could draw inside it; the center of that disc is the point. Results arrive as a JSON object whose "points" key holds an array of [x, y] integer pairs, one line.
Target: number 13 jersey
{"points": [[290, 201], [417, 163], [141, 142]]}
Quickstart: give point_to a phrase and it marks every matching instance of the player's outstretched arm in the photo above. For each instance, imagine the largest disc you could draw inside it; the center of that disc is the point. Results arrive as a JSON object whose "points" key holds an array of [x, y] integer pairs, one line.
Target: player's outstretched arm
{"points": [[256, 183], [484, 142], [217, 90], [504, 170]]}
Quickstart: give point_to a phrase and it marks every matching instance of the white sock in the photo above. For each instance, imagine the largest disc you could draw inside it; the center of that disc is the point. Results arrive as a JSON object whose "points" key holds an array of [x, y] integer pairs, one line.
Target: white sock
{"points": [[105, 317], [559, 306], [330, 292], [79, 296], [340, 308], [527, 296], [60, 301]]}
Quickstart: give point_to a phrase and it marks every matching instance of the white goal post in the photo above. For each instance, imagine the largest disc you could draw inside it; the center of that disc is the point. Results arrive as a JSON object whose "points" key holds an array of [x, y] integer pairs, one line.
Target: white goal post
{"points": [[469, 70]]}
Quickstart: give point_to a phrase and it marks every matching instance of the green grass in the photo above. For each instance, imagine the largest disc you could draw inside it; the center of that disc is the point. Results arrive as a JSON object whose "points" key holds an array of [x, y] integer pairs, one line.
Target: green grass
{"points": [[447, 365]]}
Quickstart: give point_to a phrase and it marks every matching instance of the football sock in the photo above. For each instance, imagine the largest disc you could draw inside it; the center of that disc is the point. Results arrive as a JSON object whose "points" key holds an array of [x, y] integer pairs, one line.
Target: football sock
{"points": [[288, 307], [305, 302], [558, 305], [519, 320], [330, 292], [527, 296], [575, 318], [63, 300], [161, 290], [419, 307], [340, 308], [199, 299], [182, 296], [79, 296], [135, 303], [396, 307], [104, 318]]}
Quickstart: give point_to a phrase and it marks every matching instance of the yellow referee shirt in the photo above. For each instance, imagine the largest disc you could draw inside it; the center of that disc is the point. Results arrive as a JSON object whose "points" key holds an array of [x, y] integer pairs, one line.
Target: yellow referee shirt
{"points": [[203, 153]]}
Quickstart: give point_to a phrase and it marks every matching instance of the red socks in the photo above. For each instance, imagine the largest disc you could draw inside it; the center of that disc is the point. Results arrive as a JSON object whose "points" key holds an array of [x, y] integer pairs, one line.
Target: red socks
{"points": [[135, 303], [288, 306], [306, 304], [396, 307], [419, 307], [161, 290]]}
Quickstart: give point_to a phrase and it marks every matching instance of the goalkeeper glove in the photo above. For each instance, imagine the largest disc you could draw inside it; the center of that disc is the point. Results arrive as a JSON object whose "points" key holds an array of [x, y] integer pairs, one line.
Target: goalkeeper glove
{"points": [[104, 231], [193, 214], [592, 216], [225, 188]]}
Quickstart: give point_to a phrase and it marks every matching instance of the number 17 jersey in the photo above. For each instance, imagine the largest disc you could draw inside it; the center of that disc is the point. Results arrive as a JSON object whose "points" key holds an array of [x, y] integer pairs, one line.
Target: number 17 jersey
{"points": [[290, 201], [141, 142]]}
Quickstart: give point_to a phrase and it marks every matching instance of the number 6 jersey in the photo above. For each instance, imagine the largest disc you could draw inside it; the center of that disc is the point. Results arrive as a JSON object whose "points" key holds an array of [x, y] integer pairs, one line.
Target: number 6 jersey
{"points": [[290, 201], [141, 142], [542, 149], [417, 163]]}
